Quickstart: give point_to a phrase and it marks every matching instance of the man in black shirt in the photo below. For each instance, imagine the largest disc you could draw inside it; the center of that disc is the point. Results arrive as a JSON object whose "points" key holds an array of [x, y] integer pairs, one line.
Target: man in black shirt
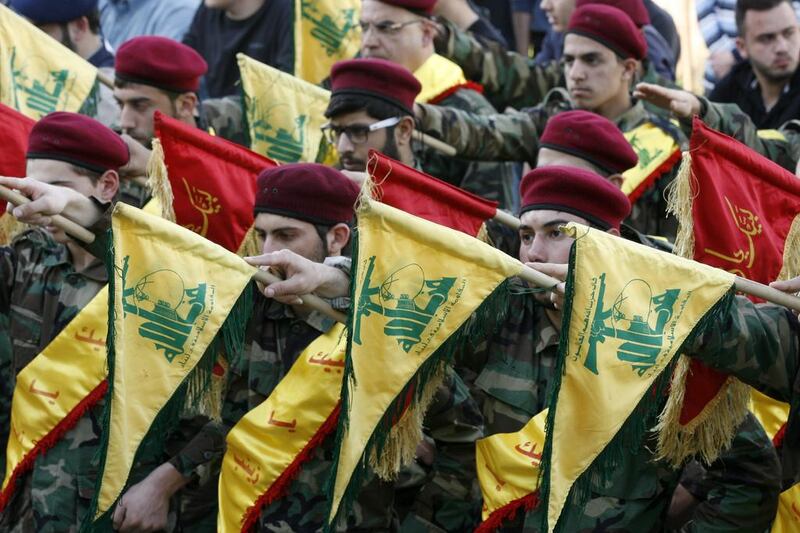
{"points": [[261, 29], [767, 85]]}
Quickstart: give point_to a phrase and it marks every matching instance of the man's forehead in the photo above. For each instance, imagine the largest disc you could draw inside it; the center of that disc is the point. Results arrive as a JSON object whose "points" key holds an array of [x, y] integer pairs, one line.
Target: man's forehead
{"points": [[355, 117], [375, 11], [137, 91], [578, 45], [540, 218], [773, 20], [271, 222]]}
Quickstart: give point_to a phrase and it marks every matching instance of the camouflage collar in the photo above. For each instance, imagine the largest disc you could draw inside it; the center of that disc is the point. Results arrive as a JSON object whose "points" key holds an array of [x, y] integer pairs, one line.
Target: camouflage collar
{"points": [[547, 334], [275, 310], [633, 117]]}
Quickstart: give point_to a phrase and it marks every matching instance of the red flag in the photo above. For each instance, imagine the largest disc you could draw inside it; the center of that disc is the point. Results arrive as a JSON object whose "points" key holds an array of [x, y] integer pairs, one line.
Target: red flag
{"points": [[14, 130], [213, 181], [427, 197], [743, 208]]}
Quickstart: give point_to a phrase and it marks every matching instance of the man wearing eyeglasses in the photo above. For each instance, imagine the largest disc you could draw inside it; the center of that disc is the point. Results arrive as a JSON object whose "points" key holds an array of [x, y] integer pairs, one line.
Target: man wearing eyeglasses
{"points": [[402, 31]]}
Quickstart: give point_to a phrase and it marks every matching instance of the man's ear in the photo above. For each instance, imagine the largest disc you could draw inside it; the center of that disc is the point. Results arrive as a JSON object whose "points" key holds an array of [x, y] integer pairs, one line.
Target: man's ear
{"points": [[404, 131], [185, 106], [631, 67], [740, 47], [107, 186], [614, 231], [78, 29], [617, 180], [338, 237]]}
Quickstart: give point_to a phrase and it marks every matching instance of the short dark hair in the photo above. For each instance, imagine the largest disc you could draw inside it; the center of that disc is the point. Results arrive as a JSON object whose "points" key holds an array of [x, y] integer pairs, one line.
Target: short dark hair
{"points": [[91, 174], [93, 17], [743, 6], [322, 231], [348, 103]]}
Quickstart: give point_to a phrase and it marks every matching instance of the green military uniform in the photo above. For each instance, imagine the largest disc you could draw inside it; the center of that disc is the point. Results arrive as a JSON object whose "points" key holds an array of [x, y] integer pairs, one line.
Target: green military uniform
{"points": [[489, 179], [514, 136], [760, 344], [40, 294], [510, 79]]}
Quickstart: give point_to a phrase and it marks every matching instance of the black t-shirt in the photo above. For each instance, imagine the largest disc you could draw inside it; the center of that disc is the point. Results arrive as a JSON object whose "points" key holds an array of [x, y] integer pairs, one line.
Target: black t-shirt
{"points": [[266, 36], [740, 87]]}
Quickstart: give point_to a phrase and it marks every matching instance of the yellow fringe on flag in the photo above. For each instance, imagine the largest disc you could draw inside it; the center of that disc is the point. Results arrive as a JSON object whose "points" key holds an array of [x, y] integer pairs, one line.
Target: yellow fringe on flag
{"points": [[250, 245], [158, 181], [713, 429], [791, 259], [10, 227]]}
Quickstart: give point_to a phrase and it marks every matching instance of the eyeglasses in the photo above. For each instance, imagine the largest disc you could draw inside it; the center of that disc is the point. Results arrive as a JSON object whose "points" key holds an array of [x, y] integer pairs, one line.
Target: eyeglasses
{"points": [[387, 27], [357, 133]]}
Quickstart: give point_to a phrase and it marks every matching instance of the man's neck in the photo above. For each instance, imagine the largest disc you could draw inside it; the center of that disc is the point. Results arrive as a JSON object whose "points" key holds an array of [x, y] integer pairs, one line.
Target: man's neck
{"points": [[771, 90], [406, 157], [417, 61], [81, 259], [242, 9], [88, 46], [612, 109]]}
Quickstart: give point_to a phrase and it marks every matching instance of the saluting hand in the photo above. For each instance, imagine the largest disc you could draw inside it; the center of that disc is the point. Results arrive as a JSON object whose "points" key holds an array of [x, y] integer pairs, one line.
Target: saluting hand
{"points": [[683, 103]]}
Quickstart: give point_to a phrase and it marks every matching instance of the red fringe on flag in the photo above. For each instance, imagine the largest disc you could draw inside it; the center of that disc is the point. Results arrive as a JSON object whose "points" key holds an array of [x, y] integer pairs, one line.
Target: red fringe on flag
{"points": [[777, 440], [666, 166], [508, 512], [52, 438], [278, 488], [477, 87]]}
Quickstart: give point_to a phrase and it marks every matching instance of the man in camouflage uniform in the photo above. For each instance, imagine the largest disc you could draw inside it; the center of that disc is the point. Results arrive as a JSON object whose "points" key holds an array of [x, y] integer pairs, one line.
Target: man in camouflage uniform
{"points": [[781, 146], [401, 31], [158, 74], [760, 345], [514, 372], [510, 79], [602, 50]]}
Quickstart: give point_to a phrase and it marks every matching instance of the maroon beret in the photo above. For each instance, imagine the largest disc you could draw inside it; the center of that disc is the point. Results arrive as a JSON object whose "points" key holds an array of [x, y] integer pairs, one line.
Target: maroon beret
{"points": [[577, 191], [634, 8], [79, 140], [307, 191], [419, 6], [611, 27], [591, 137], [376, 78], [160, 62]]}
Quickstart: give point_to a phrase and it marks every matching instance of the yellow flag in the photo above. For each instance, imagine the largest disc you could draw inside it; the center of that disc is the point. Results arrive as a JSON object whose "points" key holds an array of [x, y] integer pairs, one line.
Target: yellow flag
{"points": [[658, 153], [172, 291], [508, 471], [269, 444], [420, 290], [284, 113], [38, 75], [325, 31], [628, 311]]}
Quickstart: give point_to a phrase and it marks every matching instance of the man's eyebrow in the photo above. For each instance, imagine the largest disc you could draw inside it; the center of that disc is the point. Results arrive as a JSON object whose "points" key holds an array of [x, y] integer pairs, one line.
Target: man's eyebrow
{"points": [[558, 222]]}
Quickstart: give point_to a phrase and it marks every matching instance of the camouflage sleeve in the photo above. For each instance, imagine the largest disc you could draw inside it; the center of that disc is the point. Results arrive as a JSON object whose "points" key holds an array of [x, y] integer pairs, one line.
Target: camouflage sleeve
{"points": [[782, 147], [512, 136], [759, 344], [742, 487], [509, 79], [225, 117]]}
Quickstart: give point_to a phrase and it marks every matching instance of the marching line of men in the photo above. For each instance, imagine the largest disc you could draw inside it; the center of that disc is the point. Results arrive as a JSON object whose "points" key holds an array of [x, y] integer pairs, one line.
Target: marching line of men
{"points": [[581, 141]]}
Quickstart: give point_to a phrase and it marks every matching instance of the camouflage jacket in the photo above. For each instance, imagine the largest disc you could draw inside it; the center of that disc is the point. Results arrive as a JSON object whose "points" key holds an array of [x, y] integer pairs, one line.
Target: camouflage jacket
{"points": [[490, 179], [510, 79], [760, 345], [514, 136], [276, 337], [782, 147]]}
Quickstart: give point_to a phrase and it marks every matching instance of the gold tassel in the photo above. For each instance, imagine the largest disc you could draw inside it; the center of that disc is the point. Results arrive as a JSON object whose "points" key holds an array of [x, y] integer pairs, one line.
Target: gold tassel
{"points": [[791, 252], [713, 429], [250, 245], [401, 443], [10, 227], [158, 181]]}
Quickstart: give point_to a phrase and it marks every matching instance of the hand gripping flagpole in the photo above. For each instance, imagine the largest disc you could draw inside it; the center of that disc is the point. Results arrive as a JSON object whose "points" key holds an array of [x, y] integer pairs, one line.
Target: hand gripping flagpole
{"points": [[82, 234]]}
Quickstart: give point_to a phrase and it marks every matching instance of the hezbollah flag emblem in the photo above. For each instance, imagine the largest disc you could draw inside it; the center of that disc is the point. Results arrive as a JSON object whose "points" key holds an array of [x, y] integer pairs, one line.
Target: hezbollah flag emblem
{"points": [[38, 75], [625, 320], [172, 292], [420, 291]]}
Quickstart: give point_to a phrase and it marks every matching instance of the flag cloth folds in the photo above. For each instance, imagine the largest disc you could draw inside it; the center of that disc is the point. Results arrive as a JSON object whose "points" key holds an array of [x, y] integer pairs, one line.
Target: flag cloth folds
{"points": [[173, 294], [508, 472], [419, 292], [284, 113], [208, 183], [38, 75], [424, 196], [266, 448], [14, 130], [325, 31], [658, 153], [740, 212], [628, 310]]}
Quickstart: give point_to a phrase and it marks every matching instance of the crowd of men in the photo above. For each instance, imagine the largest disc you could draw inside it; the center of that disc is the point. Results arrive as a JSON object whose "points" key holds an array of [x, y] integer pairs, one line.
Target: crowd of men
{"points": [[441, 69]]}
